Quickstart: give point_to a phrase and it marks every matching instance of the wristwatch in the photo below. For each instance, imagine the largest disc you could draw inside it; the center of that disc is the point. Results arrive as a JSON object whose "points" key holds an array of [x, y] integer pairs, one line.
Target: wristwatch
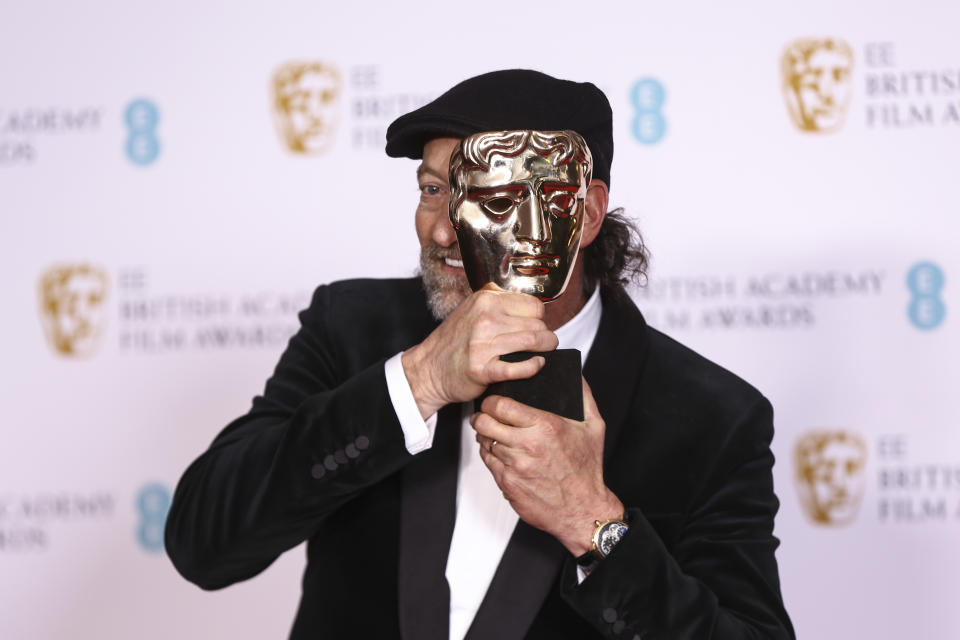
{"points": [[605, 537]]}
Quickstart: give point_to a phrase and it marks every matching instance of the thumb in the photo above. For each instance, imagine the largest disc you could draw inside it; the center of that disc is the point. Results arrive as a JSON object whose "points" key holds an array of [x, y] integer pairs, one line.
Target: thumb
{"points": [[590, 410]]}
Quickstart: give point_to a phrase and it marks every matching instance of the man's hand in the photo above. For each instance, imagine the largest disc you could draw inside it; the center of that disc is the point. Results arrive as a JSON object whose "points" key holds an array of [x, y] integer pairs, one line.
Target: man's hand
{"points": [[549, 468], [462, 356]]}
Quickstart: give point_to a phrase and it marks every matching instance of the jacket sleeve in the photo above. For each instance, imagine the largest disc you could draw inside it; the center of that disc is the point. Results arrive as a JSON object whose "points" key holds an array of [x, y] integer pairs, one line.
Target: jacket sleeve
{"points": [[719, 577], [322, 431]]}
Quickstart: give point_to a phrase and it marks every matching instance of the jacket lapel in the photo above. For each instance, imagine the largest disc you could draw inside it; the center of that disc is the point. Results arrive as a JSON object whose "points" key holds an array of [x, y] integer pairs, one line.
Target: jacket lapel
{"points": [[523, 579], [427, 513], [532, 560], [622, 338]]}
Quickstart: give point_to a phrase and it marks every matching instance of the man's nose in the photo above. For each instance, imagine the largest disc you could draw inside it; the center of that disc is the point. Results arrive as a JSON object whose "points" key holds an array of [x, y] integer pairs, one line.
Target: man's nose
{"points": [[532, 223], [442, 232]]}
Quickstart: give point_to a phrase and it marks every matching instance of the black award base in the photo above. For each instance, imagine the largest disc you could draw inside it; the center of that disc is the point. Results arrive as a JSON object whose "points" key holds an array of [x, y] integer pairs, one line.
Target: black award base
{"points": [[555, 388]]}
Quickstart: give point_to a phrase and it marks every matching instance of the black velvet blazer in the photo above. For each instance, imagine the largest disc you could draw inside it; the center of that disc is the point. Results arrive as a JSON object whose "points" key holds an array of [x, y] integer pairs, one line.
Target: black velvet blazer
{"points": [[321, 457]]}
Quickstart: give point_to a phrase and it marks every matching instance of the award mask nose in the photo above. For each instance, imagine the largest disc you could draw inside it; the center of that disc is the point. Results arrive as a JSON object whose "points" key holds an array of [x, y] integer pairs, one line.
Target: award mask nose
{"points": [[532, 224]]}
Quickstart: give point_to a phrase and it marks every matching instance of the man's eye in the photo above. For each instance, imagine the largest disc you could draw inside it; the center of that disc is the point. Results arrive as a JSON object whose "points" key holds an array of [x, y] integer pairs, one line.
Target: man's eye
{"points": [[499, 206], [430, 190]]}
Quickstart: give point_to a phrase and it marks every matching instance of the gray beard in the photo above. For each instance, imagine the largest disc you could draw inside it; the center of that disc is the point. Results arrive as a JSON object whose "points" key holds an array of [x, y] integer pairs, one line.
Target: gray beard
{"points": [[444, 291]]}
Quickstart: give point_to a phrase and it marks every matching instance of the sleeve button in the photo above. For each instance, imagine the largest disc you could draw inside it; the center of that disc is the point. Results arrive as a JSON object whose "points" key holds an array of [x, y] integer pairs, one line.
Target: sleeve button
{"points": [[362, 442], [351, 450], [330, 463], [610, 615], [317, 471]]}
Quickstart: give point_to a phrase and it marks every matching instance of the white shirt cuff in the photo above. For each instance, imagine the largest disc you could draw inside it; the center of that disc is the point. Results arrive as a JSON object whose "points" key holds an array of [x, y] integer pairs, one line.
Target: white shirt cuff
{"points": [[581, 574], [417, 433]]}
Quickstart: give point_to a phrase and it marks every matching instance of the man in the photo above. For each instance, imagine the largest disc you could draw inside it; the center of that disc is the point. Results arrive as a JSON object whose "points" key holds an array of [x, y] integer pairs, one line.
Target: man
{"points": [[651, 518]]}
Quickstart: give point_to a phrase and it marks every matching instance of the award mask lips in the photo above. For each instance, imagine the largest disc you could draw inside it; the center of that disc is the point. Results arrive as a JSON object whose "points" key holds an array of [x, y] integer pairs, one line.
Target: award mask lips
{"points": [[517, 203]]}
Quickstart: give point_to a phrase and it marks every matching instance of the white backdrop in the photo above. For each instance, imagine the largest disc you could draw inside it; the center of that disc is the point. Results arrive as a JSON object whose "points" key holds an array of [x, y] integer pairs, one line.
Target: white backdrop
{"points": [[781, 253]]}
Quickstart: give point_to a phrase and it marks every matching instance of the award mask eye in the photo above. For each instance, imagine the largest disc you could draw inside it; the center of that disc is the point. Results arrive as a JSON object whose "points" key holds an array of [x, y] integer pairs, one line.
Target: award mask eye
{"points": [[561, 204], [499, 206]]}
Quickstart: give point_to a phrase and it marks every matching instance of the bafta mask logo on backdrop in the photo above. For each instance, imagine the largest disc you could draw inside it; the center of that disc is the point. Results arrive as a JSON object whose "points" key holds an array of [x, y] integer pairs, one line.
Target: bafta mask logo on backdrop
{"points": [[830, 476], [817, 83], [306, 105], [72, 308]]}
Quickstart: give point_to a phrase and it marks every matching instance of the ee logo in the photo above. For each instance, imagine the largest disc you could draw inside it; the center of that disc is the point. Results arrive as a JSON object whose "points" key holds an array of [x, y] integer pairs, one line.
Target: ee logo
{"points": [[925, 282], [153, 503], [141, 117], [649, 125]]}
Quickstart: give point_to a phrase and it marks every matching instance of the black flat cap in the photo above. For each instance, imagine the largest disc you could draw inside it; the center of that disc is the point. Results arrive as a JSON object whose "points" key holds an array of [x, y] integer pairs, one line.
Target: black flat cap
{"points": [[511, 99]]}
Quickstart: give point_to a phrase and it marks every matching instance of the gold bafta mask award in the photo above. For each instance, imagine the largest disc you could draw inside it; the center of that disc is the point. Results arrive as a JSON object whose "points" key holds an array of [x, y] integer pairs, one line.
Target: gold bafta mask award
{"points": [[517, 202]]}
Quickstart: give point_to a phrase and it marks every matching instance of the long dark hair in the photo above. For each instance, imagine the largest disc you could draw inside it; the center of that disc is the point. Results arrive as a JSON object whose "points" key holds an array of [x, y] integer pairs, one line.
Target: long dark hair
{"points": [[617, 256]]}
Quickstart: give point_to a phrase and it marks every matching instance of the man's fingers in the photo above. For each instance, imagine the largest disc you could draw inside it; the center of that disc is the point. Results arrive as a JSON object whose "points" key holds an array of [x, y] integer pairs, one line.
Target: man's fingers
{"points": [[523, 305], [499, 370], [528, 324], [502, 451], [488, 427], [495, 465], [542, 340], [509, 412], [509, 302]]}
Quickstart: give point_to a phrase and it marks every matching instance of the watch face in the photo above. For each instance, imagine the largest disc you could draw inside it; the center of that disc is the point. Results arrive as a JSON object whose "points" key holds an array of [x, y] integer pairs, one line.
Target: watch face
{"points": [[609, 536]]}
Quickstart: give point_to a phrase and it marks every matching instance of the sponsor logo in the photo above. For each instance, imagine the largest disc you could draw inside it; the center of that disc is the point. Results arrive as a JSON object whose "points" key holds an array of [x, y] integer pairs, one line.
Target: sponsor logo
{"points": [[830, 478], [306, 105], [141, 118], [649, 125], [817, 82], [153, 505], [925, 282], [73, 308]]}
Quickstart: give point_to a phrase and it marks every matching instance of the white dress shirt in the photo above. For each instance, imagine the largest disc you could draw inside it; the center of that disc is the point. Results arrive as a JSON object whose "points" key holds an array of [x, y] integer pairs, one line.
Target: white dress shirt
{"points": [[484, 520]]}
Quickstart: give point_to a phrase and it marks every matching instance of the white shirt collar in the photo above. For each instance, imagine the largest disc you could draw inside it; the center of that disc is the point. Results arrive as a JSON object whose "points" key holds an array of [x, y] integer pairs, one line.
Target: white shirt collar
{"points": [[580, 330]]}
